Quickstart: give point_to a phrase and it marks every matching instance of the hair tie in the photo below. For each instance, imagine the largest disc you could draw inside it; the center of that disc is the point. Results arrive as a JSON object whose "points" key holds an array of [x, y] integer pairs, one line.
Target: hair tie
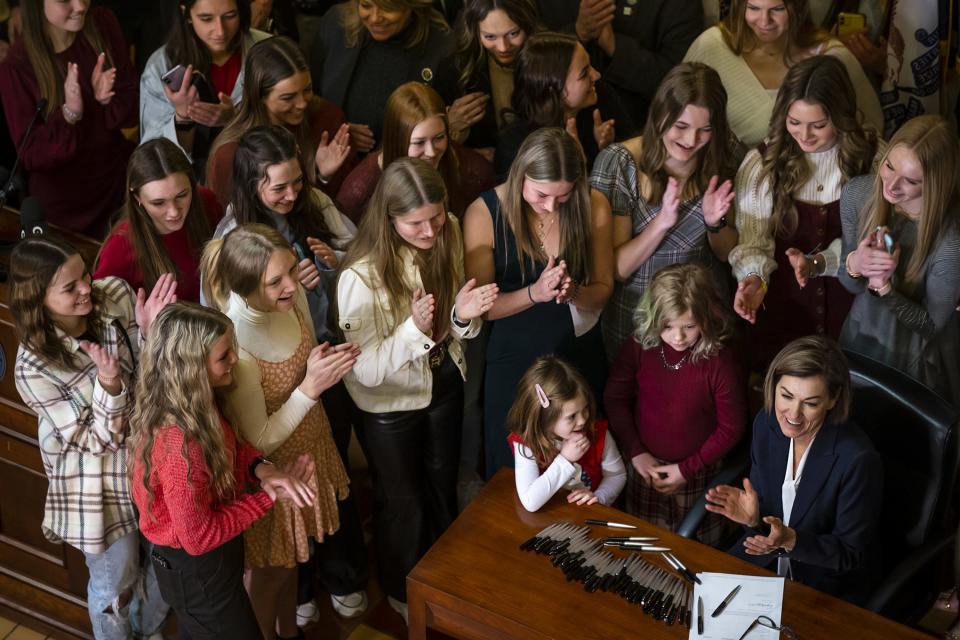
{"points": [[541, 396]]}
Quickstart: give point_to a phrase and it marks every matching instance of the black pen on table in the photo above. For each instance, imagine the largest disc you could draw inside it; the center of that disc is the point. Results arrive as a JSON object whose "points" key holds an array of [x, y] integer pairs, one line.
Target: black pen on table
{"points": [[726, 601], [699, 616]]}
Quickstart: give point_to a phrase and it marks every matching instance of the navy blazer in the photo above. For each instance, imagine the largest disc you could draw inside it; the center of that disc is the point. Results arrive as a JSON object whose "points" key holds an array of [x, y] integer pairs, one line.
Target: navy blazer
{"points": [[836, 510]]}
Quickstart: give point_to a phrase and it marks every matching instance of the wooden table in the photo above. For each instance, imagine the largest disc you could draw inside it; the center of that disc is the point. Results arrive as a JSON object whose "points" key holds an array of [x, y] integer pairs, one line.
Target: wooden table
{"points": [[476, 583]]}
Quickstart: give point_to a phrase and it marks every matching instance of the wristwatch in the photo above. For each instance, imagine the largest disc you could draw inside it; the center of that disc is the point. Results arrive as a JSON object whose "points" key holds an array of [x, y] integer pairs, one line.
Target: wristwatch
{"points": [[716, 229], [256, 462]]}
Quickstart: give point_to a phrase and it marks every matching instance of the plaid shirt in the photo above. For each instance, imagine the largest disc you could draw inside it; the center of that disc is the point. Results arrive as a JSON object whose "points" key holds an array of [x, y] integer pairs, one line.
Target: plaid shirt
{"points": [[615, 175], [81, 430]]}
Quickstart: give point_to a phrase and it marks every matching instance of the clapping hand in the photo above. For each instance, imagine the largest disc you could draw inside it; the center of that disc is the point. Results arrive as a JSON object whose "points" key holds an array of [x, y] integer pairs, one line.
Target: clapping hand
{"points": [[103, 81], [603, 131], [748, 298], [108, 366], [164, 292], [592, 17], [307, 273], [717, 201], [467, 111], [552, 283], [669, 213], [326, 366], [740, 505], [211, 114], [72, 98], [781, 536], [324, 252], [332, 153], [361, 137], [473, 301], [802, 265], [422, 311]]}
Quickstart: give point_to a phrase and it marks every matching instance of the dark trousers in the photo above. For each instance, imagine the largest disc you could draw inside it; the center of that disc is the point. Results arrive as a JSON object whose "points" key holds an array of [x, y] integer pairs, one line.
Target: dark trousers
{"points": [[206, 592], [340, 561], [415, 455]]}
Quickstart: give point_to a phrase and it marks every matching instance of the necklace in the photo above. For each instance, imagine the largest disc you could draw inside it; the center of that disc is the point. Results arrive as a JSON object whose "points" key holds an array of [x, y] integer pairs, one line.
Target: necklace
{"points": [[673, 367], [542, 233]]}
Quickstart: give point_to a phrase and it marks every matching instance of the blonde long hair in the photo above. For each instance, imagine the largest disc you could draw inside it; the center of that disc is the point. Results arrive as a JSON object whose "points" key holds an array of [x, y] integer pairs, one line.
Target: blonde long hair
{"points": [[675, 290], [238, 261], [406, 184], [933, 140], [823, 81], [173, 390], [532, 422], [47, 68], [552, 155]]}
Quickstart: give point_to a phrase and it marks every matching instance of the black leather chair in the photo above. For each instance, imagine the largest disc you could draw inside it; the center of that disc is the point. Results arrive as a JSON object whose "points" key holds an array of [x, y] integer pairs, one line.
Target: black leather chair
{"points": [[915, 432]]}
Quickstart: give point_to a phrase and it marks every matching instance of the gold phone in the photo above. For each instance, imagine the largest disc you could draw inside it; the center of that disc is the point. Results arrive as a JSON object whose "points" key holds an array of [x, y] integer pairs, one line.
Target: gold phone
{"points": [[850, 23]]}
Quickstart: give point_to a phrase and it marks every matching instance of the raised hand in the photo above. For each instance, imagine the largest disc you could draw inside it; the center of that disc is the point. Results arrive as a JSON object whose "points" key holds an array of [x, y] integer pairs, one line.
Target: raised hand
{"points": [[209, 114], [802, 265], [164, 292], [185, 96], [748, 298], [72, 98], [582, 497], [574, 447], [324, 252], [307, 273], [473, 301], [332, 153], [361, 137], [286, 484], [107, 364], [780, 536], [603, 131], [103, 81], [667, 479], [550, 283], [740, 505], [670, 207], [326, 366], [593, 16], [717, 201], [422, 311], [467, 111], [644, 464]]}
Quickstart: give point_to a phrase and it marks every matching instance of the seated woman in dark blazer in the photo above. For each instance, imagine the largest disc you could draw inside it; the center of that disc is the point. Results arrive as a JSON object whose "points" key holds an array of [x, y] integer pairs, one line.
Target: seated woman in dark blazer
{"points": [[815, 478]]}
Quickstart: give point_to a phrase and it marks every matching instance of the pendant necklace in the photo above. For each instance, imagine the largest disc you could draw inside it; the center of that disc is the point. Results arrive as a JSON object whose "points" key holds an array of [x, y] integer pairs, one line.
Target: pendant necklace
{"points": [[673, 367], [542, 233]]}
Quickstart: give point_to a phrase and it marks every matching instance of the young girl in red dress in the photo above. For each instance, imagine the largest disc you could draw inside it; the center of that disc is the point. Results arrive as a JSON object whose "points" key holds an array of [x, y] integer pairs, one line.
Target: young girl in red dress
{"points": [[675, 397], [557, 442]]}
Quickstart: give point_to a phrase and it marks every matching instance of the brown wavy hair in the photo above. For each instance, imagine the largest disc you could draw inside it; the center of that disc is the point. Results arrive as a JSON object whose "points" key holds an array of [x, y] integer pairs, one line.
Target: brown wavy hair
{"points": [[675, 290], [802, 33], [540, 78], [688, 83], [34, 264], [173, 391], [47, 68], [155, 160], [552, 155], [933, 140], [823, 81], [407, 184], [470, 56], [423, 18], [410, 104], [532, 422]]}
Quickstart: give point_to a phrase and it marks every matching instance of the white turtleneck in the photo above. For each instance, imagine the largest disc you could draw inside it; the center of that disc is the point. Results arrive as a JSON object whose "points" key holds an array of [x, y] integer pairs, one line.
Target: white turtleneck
{"points": [[272, 336]]}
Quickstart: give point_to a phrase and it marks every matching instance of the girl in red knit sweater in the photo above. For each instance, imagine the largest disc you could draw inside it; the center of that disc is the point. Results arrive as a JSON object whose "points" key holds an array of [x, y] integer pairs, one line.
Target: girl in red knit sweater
{"points": [[556, 440], [196, 484], [675, 397]]}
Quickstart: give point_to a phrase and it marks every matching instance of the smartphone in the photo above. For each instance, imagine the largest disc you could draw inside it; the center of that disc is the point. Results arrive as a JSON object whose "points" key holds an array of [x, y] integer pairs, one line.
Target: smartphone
{"points": [[174, 79], [850, 23], [887, 240]]}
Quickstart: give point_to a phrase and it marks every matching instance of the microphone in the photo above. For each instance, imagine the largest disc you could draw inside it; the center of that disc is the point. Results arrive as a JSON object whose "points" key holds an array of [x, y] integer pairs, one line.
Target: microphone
{"points": [[33, 223], [8, 187]]}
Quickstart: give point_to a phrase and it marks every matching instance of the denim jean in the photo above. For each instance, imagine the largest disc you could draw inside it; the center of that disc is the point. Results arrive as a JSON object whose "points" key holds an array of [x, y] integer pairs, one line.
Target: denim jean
{"points": [[116, 576]]}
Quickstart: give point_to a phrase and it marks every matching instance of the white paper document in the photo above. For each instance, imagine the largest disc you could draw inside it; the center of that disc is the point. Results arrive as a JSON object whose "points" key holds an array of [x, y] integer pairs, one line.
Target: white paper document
{"points": [[758, 596]]}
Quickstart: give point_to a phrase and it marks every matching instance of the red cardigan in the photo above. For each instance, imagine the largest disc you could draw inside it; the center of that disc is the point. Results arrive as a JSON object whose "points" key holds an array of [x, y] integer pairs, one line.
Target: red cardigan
{"points": [[692, 416], [184, 514], [76, 170], [323, 116], [117, 257]]}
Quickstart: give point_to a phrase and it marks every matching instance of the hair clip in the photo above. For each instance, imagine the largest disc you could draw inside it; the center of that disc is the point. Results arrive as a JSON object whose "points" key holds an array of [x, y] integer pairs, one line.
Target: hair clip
{"points": [[541, 396]]}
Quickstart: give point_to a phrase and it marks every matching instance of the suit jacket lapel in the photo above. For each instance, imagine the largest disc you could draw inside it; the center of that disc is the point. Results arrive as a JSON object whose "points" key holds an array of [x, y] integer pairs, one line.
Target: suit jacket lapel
{"points": [[817, 469], [777, 450]]}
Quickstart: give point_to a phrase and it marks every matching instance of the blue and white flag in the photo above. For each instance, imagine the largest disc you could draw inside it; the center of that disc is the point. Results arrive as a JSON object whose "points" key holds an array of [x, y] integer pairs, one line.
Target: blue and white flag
{"points": [[911, 85]]}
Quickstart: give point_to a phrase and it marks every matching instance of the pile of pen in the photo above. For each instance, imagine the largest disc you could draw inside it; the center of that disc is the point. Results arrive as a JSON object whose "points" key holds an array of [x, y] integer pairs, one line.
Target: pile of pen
{"points": [[660, 594]]}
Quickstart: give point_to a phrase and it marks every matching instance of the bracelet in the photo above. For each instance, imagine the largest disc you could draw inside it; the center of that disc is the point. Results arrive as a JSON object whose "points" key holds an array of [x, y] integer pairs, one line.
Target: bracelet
{"points": [[718, 227], [763, 282], [530, 295], [71, 116], [104, 382], [256, 462], [846, 265], [881, 291], [457, 321]]}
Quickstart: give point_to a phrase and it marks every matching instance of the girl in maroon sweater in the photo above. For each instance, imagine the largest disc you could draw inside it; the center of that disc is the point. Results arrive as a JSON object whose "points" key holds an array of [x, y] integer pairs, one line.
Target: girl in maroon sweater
{"points": [[167, 218], [195, 482], [675, 397]]}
